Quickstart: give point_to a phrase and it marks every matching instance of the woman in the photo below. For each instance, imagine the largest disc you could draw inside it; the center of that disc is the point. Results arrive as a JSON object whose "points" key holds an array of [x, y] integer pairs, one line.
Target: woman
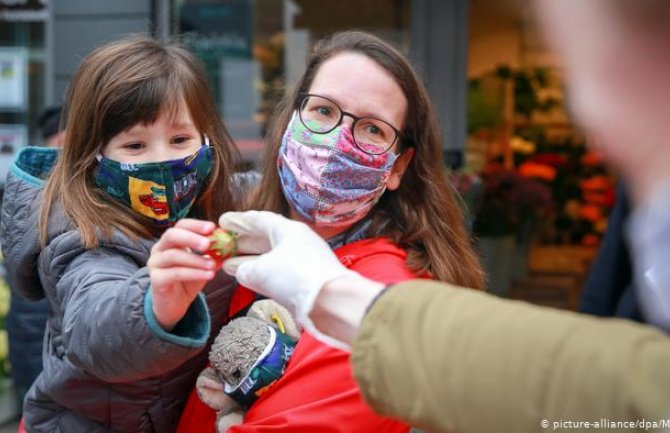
{"points": [[355, 152]]}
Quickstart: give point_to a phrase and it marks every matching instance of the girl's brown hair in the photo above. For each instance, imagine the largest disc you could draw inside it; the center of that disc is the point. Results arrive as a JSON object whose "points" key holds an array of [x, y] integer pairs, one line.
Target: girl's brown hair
{"points": [[422, 215], [117, 86]]}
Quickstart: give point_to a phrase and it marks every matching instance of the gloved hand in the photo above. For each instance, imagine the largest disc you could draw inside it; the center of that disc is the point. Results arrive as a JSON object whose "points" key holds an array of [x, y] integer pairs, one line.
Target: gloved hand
{"points": [[293, 265]]}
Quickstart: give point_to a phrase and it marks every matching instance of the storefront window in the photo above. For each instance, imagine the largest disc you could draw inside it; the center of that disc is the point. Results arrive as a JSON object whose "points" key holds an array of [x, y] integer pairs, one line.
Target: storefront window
{"points": [[22, 76], [254, 49]]}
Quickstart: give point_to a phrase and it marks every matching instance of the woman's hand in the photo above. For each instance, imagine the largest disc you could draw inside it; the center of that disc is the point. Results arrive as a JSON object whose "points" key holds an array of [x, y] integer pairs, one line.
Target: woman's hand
{"points": [[178, 275]]}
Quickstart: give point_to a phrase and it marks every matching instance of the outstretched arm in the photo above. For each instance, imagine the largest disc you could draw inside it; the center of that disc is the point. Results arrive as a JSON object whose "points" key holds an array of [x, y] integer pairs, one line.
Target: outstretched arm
{"points": [[445, 358]]}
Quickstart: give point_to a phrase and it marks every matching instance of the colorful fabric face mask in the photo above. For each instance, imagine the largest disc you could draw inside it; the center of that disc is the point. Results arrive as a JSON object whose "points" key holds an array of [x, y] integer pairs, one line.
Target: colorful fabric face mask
{"points": [[266, 371], [327, 179], [161, 191]]}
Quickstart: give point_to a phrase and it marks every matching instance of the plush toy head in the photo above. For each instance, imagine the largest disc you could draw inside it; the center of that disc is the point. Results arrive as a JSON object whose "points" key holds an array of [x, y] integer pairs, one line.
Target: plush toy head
{"points": [[248, 356], [237, 348]]}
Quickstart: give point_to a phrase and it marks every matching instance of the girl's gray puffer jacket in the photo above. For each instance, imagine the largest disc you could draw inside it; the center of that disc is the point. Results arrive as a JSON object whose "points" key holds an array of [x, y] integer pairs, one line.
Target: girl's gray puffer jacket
{"points": [[108, 365]]}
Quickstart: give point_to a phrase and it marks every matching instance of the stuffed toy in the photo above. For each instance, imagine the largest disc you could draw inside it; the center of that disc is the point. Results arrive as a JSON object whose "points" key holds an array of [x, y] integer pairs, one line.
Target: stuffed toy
{"points": [[248, 356]]}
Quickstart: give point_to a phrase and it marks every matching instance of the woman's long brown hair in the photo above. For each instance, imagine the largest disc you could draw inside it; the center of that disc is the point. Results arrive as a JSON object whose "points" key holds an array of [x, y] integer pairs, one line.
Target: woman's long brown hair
{"points": [[117, 86], [422, 215]]}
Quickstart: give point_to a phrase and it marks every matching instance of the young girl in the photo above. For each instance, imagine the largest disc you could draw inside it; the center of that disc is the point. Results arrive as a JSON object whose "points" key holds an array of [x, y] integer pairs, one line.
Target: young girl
{"points": [[355, 152], [144, 148]]}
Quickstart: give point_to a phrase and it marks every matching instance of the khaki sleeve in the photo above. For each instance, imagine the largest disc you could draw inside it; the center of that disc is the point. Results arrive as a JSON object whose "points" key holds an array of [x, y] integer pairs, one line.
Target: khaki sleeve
{"points": [[451, 359]]}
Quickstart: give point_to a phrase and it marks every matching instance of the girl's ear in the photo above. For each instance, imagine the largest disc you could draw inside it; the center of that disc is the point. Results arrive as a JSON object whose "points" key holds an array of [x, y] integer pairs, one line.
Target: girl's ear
{"points": [[399, 168]]}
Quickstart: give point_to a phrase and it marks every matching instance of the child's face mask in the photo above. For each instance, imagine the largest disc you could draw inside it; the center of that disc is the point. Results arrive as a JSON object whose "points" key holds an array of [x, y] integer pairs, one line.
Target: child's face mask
{"points": [[161, 191]]}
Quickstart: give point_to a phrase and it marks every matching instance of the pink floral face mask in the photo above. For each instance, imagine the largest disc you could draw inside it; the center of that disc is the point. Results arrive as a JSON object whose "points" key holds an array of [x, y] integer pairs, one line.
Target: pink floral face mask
{"points": [[327, 179]]}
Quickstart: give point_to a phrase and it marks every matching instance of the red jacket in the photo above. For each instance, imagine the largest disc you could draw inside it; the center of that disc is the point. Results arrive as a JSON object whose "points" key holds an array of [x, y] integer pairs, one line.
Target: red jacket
{"points": [[317, 393]]}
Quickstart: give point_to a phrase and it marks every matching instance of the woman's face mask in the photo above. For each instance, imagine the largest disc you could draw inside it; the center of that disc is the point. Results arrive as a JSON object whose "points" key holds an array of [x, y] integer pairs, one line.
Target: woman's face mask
{"points": [[326, 178], [163, 191]]}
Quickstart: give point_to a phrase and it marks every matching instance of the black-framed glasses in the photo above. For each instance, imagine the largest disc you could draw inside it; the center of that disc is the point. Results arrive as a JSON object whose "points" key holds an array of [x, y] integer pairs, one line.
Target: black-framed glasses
{"points": [[371, 135]]}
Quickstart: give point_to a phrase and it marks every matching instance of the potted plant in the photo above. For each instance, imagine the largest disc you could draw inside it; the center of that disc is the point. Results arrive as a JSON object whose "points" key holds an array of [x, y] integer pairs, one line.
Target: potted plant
{"points": [[504, 222]]}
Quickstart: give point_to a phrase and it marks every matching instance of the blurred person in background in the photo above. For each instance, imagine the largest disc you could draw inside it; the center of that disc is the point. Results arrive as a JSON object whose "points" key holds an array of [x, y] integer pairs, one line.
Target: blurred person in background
{"points": [[617, 68], [27, 319], [609, 290], [53, 135]]}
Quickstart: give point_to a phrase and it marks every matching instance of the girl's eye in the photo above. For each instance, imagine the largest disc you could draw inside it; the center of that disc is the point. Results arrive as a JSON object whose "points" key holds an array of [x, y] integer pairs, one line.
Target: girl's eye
{"points": [[134, 146], [181, 140]]}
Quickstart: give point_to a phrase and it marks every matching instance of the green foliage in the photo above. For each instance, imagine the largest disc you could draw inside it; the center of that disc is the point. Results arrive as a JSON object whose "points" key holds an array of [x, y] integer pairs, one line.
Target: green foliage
{"points": [[528, 83], [486, 96], [485, 111]]}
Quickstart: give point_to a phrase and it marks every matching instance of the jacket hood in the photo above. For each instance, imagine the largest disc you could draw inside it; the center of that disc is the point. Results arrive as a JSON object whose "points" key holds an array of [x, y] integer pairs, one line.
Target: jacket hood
{"points": [[19, 235]]}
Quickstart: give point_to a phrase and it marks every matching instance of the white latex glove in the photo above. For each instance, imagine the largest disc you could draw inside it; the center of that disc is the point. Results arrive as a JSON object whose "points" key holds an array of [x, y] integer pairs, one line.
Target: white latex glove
{"points": [[293, 265]]}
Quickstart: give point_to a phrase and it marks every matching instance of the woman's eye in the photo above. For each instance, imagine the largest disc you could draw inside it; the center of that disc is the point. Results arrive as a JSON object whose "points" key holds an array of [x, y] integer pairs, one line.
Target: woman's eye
{"points": [[324, 111], [373, 130]]}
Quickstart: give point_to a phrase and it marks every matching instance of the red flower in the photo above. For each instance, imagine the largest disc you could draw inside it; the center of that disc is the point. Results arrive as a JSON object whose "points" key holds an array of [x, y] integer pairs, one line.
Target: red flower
{"points": [[552, 159]]}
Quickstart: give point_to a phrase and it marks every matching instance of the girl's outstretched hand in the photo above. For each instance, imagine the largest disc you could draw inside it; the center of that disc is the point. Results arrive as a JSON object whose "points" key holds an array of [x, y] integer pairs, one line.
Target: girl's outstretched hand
{"points": [[178, 275]]}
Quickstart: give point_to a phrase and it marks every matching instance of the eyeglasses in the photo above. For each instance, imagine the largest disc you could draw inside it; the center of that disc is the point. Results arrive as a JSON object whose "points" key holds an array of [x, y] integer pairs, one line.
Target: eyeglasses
{"points": [[321, 115]]}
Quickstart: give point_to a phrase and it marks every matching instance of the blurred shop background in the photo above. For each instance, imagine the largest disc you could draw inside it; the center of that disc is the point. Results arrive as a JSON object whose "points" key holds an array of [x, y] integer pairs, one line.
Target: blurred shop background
{"points": [[252, 50], [537, 199]]}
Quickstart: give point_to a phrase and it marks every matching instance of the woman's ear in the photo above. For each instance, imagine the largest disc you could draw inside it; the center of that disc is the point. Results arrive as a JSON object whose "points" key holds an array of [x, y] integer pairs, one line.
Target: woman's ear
{"points": [[399, 168]]}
